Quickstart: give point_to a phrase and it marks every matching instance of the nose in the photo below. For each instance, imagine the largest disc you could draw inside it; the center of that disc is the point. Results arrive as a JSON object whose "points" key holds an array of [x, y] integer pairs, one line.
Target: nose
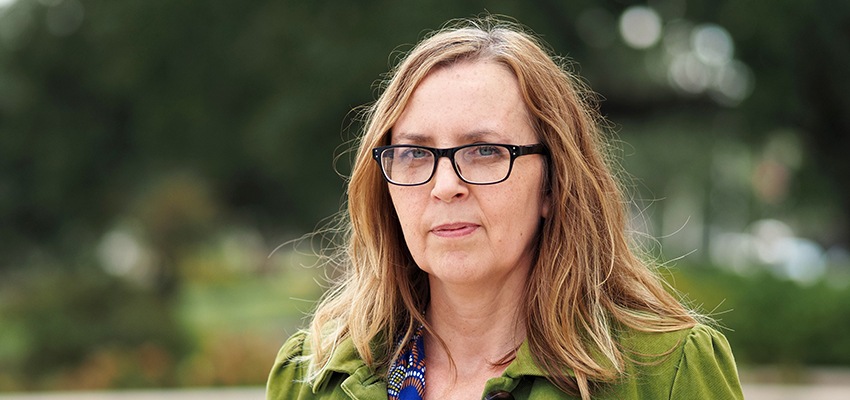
{"points": [[447, 185]]}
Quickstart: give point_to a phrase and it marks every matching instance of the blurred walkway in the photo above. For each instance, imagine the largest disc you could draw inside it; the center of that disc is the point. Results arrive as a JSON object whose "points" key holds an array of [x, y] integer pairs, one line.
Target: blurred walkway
{"points": [[178, 394], [787, 392], [751, 392]]}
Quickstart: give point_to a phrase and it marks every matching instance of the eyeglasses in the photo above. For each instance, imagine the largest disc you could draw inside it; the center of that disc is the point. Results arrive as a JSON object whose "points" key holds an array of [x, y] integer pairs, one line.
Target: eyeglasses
{"points": [[477, 164]]}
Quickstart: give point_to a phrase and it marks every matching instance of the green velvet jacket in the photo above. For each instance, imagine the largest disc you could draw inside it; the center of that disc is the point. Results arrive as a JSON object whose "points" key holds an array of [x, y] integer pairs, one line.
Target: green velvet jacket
{"points": [[700, 366]]}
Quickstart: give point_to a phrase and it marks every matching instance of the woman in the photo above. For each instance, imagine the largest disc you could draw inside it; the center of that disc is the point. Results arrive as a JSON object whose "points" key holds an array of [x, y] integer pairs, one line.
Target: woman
{"points": [[487, 241]]}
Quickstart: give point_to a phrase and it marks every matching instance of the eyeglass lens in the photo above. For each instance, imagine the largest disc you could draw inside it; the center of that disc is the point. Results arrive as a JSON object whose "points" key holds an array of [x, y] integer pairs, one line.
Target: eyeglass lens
{"points": [[486, 163]]}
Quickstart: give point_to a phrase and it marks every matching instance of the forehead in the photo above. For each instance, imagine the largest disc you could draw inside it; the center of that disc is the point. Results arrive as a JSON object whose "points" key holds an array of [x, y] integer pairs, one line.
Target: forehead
{"points": [[465, 102]]}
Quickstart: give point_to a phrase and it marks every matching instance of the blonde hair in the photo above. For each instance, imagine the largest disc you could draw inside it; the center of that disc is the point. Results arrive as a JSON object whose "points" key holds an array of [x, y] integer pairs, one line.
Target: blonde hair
{"points": [[586, 278]]}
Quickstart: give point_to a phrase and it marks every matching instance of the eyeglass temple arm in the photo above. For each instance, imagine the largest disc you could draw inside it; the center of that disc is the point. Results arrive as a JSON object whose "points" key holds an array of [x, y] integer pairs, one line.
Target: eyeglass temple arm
{"points": [[538, 148]]}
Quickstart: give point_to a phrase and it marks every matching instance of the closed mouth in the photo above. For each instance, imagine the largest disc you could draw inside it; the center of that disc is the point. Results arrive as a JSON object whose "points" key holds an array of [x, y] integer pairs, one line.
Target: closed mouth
{"points": [[458, 229]]}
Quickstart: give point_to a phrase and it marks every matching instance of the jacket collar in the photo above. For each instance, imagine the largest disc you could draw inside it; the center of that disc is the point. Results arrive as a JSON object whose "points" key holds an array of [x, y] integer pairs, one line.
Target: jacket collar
{"points": [[523, 364], [346, 360]]}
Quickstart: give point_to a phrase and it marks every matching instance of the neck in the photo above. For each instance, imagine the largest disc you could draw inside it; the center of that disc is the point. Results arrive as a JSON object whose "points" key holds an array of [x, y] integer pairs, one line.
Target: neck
{"points": [[480, 325]]}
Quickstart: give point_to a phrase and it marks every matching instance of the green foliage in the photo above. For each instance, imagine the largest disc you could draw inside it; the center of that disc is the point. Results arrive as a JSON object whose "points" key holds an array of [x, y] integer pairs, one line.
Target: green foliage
{"points": [[87, 330], [770, 320], [69, 324]]}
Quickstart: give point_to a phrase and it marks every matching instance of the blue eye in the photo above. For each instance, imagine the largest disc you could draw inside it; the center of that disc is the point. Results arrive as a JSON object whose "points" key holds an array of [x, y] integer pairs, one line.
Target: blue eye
{"points": [[419, 153], [488, 151], [414, 153]]}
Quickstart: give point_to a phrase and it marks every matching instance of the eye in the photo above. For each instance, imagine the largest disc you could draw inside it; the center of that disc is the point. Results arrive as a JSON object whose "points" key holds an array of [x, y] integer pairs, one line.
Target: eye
{"points": [[414, 156], [415, 153], [419, 153], [488, 151]]}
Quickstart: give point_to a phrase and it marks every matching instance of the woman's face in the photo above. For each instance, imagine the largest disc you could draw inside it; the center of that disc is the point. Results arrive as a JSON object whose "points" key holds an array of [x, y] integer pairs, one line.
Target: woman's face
{"points": [[457, 232]]}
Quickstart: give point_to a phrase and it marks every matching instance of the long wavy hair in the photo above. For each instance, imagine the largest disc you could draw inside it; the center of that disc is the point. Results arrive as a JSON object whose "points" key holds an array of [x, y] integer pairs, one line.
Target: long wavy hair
{"points": [[587, 278]]}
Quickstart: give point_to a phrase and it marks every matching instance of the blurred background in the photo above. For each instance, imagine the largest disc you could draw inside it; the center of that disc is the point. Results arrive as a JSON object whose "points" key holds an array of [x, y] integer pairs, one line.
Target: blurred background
{"points": [[154, 153]]}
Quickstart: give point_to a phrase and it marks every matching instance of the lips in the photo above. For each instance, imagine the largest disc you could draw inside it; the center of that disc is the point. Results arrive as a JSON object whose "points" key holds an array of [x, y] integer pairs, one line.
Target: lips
{"points": [[454, 230]]}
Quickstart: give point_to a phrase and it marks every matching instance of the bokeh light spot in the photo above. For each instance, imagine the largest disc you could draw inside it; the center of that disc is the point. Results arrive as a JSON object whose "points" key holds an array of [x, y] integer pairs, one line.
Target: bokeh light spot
{"points": [[688, 73], [734, 83], [640, 27], [712, 44]]}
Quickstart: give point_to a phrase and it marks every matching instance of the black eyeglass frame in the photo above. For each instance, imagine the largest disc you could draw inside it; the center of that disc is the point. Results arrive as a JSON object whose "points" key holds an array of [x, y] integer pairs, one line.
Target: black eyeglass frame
{"points": [[514, 150]]}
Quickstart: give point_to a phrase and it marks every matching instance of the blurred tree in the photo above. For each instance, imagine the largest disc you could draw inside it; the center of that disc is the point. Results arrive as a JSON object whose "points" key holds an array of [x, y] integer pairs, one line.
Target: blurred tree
{"points": [[798, 51], [252, 97]]}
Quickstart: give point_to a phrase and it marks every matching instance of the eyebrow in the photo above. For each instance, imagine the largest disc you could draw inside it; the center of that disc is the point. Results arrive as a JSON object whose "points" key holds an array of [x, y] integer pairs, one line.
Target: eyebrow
{"points": [[418, 138], [414, 138]]}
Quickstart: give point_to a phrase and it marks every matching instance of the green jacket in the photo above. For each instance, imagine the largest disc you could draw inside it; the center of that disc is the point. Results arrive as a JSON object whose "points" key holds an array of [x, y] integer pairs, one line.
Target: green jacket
{"points": [[694, 363]]}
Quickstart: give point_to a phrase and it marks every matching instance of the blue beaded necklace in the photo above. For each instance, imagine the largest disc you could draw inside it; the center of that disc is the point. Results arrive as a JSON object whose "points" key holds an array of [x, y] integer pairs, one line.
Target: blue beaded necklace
{"points": [[406, 380]]}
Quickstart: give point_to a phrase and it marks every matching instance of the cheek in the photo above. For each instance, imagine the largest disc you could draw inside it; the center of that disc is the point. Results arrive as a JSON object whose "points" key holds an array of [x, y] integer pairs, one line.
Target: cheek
{"points": [[407, 211], [398, 204], [524, 206], [514, 212]]}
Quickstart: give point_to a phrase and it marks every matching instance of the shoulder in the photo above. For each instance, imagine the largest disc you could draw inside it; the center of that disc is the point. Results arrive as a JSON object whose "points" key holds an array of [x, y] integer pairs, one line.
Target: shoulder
{"points": [[691, 363], [658, 343], [293, 347], [706, 367], [344, 374], [288, 376]]}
